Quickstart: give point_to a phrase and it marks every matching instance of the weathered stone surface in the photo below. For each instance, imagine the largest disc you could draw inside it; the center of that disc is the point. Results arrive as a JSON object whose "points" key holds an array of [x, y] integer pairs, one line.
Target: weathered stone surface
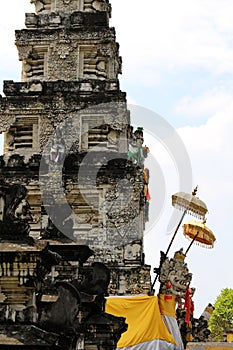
{"points": [[67, 135], [67, 6], [14, 209]]}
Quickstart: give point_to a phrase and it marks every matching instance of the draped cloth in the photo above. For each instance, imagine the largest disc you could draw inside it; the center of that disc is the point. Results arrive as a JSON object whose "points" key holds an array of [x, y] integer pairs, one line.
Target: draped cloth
{"points": [[167, 306], [146, 328], [173, 328]]}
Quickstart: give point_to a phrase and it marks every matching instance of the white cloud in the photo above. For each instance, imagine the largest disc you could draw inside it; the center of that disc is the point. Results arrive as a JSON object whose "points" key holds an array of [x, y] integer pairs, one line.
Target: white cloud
{"points": [[169, 35], [212, 140], [211, 102]]}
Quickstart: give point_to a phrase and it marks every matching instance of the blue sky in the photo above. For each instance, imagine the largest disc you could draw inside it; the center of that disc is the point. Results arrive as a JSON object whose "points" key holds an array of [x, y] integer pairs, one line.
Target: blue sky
{"points": [[177, 62]]}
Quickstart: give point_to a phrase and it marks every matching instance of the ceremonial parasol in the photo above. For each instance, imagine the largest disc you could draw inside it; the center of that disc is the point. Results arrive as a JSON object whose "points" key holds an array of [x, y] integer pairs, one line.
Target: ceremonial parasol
{"points": [[199, 233], [190, 204]]}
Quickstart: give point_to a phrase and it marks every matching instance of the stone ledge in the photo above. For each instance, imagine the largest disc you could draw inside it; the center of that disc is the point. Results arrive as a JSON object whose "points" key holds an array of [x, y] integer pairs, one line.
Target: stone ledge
{"points": [[76, 19], [36, 87], [209, 346]]}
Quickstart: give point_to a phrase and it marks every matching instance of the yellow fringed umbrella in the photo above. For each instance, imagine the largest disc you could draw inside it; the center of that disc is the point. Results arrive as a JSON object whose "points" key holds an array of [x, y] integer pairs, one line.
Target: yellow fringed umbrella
{"points": [[199, 233]]}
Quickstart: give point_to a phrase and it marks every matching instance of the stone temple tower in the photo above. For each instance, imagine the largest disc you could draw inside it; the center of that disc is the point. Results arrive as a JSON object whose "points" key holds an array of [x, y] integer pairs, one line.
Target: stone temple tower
{"points": [[69, 140]]}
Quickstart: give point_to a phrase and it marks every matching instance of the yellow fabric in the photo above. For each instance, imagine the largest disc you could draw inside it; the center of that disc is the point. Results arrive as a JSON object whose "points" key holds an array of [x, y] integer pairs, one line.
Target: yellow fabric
{"points": [[143, 318], [167, 305]]}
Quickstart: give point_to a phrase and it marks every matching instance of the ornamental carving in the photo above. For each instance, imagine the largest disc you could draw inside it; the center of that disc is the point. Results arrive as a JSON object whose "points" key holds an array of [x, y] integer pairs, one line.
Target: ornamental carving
{"points": [[137, 282], [101, 5], [174, 275], [46, 130], [24, 51], [6, 122], [41, 5], [63, 50], [105, 51], [14, 210]]}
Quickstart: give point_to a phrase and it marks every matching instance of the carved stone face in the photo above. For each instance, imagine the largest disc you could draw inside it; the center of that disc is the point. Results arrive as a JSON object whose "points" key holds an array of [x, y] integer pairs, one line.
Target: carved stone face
{"points": [[174, 277]]}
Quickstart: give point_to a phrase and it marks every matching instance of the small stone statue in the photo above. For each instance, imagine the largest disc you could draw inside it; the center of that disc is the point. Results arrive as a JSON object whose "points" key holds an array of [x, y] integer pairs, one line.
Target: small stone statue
{"points": [[57, 152], [60, 224], [14, 210]]}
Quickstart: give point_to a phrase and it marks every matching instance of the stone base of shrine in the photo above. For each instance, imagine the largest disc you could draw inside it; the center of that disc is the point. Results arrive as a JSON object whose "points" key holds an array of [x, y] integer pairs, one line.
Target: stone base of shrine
{"points": [[210, 346]]}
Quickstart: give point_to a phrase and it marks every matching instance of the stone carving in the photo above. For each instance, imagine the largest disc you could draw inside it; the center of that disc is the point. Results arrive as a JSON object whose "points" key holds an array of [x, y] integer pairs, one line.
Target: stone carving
{"points": [[133, 251], [63, 49], [133, 281], [73, 303], [200, 331], [62, 313], [46, 130], [174, 275], [58, 149], [22, 38], [125, 202], [5, 122], [93, 5], [34, 64], [105, 51], [15, 161], [31, 20], [197, 330], [24, 51], [34, 160], [175, 279], [101, 5], [137, 281], [33, 87], [41, 5], [95, 279], [58, 221], [14, 211]]}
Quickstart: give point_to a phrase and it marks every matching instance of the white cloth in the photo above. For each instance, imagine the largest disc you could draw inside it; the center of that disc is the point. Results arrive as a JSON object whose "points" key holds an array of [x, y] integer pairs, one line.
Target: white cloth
{"points": [[172, 326], [151, 345]]}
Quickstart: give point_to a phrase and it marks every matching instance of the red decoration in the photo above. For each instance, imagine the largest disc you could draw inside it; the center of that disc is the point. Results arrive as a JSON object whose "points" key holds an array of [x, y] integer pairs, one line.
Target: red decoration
{"points": [[188, 304]]}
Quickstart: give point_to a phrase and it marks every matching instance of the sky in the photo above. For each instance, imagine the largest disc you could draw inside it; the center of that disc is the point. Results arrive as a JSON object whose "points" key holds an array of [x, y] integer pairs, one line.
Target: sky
{"points": [[178, 69]]}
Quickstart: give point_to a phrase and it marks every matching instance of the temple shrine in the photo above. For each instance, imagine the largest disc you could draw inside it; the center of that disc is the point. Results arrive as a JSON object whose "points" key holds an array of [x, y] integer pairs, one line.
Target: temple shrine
{"points": [[73, 202]]}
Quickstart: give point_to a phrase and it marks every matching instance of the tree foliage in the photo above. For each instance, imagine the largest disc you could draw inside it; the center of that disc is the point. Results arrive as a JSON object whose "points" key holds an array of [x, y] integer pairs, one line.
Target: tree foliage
{"points": [[222, 317]]}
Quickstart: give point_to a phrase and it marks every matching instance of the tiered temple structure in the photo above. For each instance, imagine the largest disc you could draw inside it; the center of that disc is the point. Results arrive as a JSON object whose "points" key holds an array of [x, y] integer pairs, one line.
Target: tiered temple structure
{"points": [[73, 188]]}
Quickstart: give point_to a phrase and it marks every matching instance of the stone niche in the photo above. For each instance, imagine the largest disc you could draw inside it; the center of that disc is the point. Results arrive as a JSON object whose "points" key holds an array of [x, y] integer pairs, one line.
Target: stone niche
{"points": [[34, 66], [22, 136]]}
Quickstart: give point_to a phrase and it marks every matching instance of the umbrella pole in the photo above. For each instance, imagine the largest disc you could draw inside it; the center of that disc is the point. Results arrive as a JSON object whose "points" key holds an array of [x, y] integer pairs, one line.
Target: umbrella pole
{"points": [[156, 277], [190, 245], [170, 244], [177, 228]]}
